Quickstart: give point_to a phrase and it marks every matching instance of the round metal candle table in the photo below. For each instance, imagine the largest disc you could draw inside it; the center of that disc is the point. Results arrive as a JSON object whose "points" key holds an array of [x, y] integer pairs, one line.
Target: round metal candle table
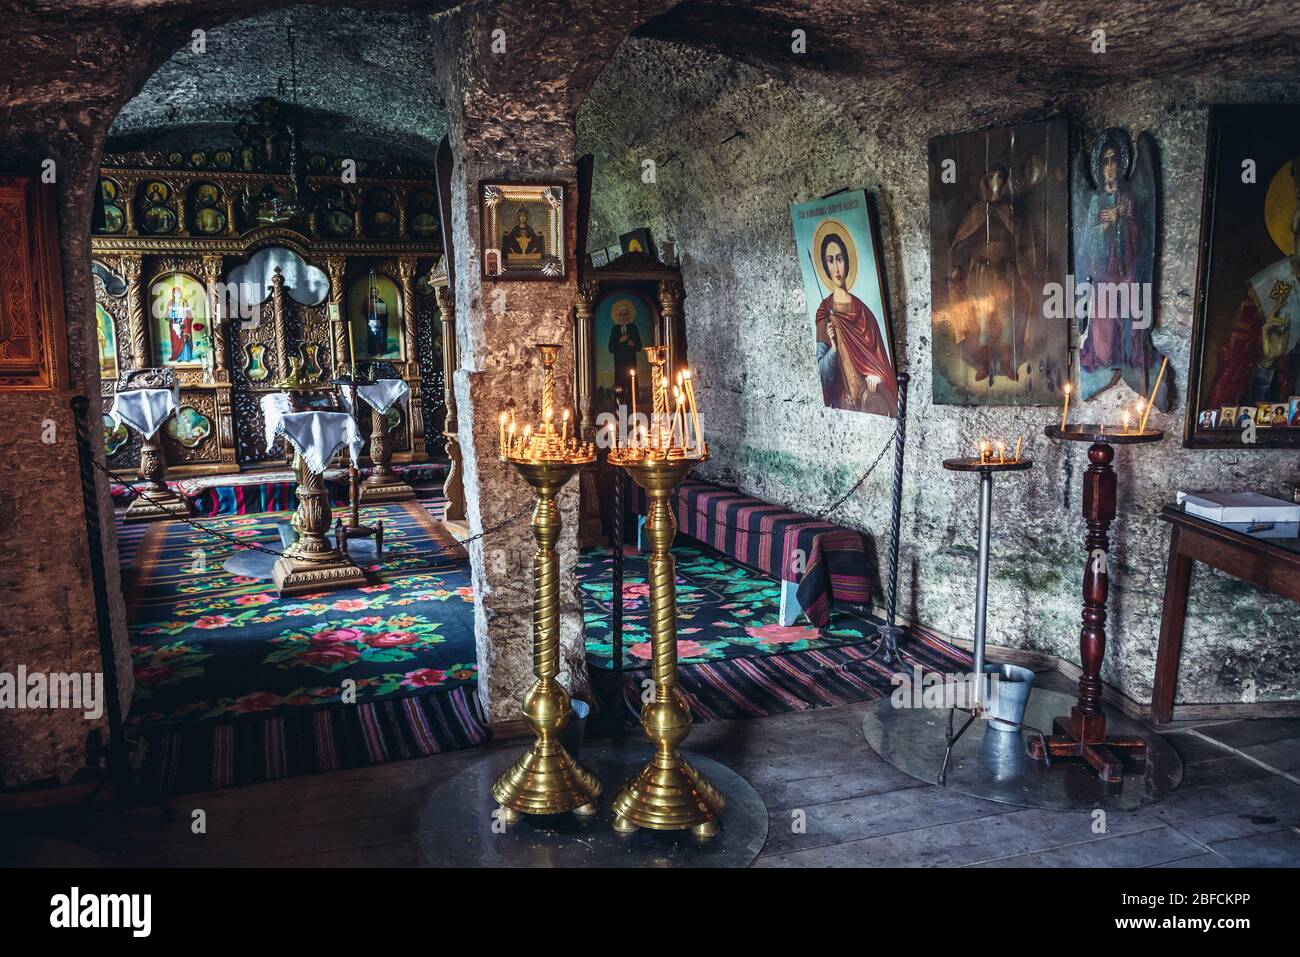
{"points": [[986, 466]]}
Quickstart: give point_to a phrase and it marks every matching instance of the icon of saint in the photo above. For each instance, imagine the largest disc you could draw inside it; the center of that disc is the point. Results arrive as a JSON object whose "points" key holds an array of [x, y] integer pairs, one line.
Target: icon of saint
{"points": [[522, 243], [624, 343], [376, 322], [180, 324], [852, 356]]}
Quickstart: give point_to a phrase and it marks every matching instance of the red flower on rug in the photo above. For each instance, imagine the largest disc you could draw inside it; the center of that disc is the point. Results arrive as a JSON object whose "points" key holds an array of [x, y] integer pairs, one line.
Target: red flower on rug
{"points": [[213, 621], [253, 600], [331, 636], [636, 590], [394, 639], [424, 678], [782, 634], [685, 649], [257, 701], [327, 655], [351, 604]]}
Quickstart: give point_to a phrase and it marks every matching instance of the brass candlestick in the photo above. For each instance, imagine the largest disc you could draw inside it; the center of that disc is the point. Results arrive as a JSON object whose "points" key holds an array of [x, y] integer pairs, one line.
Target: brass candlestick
{"points": [[667, 794], [546, 780]]}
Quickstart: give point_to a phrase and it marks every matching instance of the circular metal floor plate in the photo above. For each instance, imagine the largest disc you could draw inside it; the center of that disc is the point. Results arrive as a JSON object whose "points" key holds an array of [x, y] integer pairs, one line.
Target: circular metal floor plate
{"points": [[993, 765], [458, 826]]}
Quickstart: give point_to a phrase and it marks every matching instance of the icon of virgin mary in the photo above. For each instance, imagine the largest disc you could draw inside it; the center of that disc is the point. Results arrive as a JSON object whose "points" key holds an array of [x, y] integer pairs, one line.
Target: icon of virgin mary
{"points": [[857, 370]]}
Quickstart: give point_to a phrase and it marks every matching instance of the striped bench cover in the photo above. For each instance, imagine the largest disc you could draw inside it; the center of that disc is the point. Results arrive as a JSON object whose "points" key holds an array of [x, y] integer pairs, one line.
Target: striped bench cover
{"points": [[771, 538]]}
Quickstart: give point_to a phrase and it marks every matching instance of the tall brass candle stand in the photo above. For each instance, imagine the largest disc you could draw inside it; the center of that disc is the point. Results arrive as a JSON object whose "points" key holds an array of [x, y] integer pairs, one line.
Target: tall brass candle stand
{"points": [[546, 780], [667, 794]]}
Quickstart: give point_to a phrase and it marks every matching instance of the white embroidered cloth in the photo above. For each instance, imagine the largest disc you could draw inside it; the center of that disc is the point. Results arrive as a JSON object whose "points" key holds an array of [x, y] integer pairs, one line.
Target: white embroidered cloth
{"points": [[145, 410], [319, 435], [384, 394], [274, 406]]}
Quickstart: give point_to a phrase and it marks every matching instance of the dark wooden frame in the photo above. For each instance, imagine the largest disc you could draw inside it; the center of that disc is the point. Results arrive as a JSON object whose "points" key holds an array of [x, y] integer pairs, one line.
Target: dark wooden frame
{"points": [[565, 255], [1267, 438], [35, 295], [1253, 560]]}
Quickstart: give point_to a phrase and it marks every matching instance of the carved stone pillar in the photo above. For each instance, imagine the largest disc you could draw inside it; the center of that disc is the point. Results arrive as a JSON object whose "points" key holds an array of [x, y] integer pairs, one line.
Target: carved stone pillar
{"points": [[133, 272], [453, 488], [671, 295]]}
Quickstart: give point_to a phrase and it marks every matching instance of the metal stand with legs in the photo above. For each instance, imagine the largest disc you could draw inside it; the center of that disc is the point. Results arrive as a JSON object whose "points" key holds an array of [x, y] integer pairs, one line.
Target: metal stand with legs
{"points": [[985, 466]]}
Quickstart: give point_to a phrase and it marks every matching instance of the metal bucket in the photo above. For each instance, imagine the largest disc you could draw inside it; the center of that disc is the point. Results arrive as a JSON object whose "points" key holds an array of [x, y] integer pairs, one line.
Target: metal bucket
{"points": [[571, 736], [1012, 696]]}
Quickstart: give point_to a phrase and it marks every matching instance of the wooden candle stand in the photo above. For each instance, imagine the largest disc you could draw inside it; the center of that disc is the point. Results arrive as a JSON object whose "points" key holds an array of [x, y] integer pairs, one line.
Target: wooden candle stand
{"points": [[1082, 733]]}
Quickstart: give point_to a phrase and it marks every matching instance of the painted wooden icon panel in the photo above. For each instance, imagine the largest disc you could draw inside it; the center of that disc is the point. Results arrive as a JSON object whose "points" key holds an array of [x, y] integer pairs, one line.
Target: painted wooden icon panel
{"points": [[999, 237], [844, 289], [1246, 334], [179, 312]]}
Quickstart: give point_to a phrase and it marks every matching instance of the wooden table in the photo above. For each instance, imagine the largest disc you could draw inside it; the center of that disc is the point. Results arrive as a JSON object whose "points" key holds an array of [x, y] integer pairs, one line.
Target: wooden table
{"points": [[1270, 563]]}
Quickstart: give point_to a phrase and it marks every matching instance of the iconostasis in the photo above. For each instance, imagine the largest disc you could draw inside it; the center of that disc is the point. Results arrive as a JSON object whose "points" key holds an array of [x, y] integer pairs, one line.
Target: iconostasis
{"points": [[246, 272]]}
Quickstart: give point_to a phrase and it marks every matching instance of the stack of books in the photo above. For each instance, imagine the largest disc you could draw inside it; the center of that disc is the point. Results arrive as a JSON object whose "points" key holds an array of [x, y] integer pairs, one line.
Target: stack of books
{"points": [[1250, 512]]}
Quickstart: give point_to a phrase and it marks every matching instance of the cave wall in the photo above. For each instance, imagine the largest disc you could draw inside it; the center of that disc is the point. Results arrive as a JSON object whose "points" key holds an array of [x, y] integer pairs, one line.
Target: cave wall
{"points": [[724, 199]]}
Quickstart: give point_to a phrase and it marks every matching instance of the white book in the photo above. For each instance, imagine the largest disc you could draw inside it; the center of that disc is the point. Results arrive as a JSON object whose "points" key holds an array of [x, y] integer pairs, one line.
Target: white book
{"points": [[1236, 507]]}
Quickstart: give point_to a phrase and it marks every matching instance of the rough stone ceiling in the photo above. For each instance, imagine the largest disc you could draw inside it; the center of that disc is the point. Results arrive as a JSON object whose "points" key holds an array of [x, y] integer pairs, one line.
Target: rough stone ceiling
{"points": [[365, 84], [1038, 40]]}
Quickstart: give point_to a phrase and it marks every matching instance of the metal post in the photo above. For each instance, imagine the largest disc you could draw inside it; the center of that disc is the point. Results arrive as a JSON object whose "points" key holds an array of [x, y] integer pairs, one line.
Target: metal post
{"points": [[890, 634], [982, 582]]}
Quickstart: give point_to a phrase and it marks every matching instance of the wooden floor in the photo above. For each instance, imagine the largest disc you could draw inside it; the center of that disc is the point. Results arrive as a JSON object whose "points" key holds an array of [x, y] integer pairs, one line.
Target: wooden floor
{"points": [[1239, 806]]}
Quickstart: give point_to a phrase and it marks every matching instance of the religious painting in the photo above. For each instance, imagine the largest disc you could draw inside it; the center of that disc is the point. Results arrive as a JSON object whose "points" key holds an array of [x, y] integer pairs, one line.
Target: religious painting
{"points": [[999, 255], [622, 327], [209, 217], [159, 217], [523, 230], [1114, 207], [422, 215], [381, 213], [1246, 326], [110, 192], [115, 435], [637, 241], [375, 317], [179, 310], [107, 336], [189, 426], [844, 289]]}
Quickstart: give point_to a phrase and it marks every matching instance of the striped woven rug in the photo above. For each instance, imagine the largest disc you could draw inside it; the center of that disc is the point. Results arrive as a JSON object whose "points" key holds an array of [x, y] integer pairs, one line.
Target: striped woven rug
{"points": [[798, 681], [199, 756]]}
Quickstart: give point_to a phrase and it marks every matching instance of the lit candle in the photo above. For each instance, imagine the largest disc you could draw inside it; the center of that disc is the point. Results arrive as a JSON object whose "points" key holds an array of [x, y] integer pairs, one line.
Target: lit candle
{"points": [[1002, 454], [1065, 412], [1124, 419], [1017, 450], [693, 408], [510, 438], [612, 441], [565, 437], [501, 437], [1154, 389], [632, 376], [984, 451], [525, 451]]}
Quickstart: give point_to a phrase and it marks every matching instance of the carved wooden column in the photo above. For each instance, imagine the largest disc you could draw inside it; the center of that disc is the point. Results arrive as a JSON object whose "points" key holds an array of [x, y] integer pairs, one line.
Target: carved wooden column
{"points": [[335, 267], [406, 278], [226, 451], [453, 488], [589, 531], [671, 294], [217, 321], [583, 309], [281, 327], [133, 272]]}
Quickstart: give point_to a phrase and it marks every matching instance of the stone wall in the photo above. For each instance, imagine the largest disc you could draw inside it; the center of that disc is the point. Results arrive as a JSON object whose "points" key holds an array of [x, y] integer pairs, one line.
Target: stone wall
{"points": [[734, 147]]}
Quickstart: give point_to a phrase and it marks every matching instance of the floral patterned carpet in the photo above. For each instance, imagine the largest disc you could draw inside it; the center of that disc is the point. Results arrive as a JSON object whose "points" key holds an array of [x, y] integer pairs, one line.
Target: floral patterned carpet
{"points": [[725, 611], [209, 644]]}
